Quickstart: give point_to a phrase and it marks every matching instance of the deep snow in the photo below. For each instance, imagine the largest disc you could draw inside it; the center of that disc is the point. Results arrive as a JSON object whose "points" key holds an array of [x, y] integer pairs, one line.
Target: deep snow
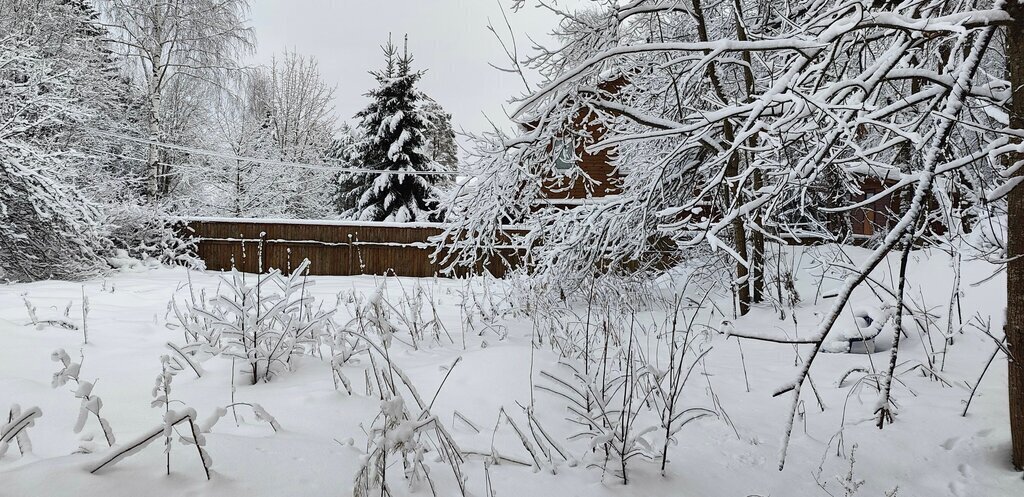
{"points": [[930, 450]]}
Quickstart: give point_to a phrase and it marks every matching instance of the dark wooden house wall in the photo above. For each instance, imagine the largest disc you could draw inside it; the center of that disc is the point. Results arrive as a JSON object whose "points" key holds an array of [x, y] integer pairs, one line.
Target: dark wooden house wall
{"points": [[878, 215], [598, 166]]}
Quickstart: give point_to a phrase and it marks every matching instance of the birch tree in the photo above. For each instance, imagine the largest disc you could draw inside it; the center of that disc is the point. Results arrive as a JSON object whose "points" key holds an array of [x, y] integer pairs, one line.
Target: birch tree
{"points": [[166, 40]]}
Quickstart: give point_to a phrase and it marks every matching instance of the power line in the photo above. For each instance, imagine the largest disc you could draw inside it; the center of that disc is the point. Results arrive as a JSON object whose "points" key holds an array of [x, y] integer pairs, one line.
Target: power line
{"points": [[164, 175], [269, 162]]}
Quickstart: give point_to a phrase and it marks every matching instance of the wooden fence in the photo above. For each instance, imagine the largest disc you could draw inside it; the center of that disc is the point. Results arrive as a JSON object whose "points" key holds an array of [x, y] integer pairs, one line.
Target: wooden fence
{"points": [[340, 248]]}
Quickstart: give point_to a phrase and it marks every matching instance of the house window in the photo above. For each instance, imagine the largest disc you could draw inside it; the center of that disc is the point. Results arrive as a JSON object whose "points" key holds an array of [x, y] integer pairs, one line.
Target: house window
{"points": [[565, 155]]}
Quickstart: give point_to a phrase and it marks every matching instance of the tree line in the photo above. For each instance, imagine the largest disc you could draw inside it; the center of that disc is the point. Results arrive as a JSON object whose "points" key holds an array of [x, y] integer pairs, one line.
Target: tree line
{"points": [[116, 115]]}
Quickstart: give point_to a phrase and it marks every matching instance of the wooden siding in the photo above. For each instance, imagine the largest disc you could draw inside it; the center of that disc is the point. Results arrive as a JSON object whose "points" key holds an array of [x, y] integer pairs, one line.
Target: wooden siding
{"points": [[878, 215], [334, 248], [600, 169], [598, 166]]}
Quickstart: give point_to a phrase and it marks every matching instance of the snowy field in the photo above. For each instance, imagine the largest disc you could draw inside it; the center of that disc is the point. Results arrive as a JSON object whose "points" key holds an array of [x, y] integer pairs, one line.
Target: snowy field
{"points": [[322, 437]]}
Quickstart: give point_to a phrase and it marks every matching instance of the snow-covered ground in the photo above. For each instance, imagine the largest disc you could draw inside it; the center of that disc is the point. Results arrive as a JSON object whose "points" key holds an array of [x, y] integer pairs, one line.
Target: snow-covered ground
{"points": [[929, 450]]}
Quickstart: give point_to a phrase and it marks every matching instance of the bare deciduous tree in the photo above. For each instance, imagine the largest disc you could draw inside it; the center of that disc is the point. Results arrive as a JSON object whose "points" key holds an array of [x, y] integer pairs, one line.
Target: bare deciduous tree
{"points": [[171, 39], [752, 108]]}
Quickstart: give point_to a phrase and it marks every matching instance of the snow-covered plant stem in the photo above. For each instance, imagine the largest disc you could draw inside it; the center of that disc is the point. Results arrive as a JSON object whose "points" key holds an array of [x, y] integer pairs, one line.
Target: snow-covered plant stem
{"points": [[954, 300], [672, 418], [33, 318], [90, 403], [171, 420], [15, 429], [85, 316], [162, 398]]}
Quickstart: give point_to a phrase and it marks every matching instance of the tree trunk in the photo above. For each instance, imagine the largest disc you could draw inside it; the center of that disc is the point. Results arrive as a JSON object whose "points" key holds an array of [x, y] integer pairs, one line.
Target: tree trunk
{"points": [[153, 127], [757, 257], [742, 273], [757, 236], [1015, 239], [732, 169], [739, 230]]}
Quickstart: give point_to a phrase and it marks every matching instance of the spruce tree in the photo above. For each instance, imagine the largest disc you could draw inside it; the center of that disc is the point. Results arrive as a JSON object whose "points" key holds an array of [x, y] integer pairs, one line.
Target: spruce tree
{"points": [[440, 136], [392, 139]]}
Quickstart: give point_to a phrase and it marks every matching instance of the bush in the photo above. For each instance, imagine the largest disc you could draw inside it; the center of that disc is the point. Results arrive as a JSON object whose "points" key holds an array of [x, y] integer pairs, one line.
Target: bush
{"points": [[148, 232], [263, 323], [47, 229]]}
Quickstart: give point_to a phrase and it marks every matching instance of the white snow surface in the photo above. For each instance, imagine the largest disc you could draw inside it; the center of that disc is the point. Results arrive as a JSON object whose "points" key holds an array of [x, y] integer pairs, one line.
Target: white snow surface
{"points": [[930, 450]]}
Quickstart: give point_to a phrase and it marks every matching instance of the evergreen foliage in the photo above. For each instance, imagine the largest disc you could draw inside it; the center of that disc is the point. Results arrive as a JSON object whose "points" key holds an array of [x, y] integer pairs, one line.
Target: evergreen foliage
{"points": [[392, 130]]}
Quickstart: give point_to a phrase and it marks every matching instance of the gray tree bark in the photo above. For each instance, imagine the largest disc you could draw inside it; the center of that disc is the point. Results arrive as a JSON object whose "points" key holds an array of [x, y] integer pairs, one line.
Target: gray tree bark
{"points": [[1015, 239]]}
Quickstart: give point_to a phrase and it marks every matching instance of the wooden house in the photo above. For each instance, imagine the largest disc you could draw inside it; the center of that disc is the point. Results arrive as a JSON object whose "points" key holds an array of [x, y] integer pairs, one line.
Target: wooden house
{"points": [[878, 215], [561, 189], [566, 186]]}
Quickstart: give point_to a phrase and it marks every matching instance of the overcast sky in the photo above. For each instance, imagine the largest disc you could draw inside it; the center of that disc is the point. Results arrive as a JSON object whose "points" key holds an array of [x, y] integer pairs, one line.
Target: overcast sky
{"points": [[448, 38]]}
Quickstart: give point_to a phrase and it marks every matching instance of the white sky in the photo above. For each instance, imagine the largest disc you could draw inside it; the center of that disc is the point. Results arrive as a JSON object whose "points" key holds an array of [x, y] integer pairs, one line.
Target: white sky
{"points": [[448, 38]]}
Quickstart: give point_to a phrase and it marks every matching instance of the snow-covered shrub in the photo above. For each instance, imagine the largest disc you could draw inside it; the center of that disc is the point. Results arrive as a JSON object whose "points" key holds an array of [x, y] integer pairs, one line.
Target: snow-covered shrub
{"points": [[146, 231], [47, 228], [627, 403], [263, 323], [418, 312], [400, 432], [482, 310], [197, 327], [413, 314], [373, 314], [610, 413]]}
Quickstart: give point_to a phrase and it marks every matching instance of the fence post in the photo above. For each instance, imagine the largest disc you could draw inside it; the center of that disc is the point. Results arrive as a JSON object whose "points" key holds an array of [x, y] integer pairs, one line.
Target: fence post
{"points": [[263, 241]]}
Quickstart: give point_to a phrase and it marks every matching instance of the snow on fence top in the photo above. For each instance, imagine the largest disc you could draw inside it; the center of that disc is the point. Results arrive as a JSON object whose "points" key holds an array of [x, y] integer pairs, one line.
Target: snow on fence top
{"points": [[312, 222], [326, 222]]}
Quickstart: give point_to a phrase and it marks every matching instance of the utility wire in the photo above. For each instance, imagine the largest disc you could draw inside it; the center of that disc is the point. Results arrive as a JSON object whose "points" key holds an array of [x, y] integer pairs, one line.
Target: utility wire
{"points": [[270, 162]]}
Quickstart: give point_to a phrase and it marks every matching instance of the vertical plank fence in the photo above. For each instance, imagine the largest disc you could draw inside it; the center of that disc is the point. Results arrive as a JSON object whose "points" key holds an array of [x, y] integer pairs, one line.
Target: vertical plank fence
{"points": [[339, 248]]}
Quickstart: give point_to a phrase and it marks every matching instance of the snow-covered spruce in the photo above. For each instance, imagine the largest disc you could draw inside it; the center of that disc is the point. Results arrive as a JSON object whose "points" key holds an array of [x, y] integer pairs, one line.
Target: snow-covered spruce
{"points": [[392, 138]]}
